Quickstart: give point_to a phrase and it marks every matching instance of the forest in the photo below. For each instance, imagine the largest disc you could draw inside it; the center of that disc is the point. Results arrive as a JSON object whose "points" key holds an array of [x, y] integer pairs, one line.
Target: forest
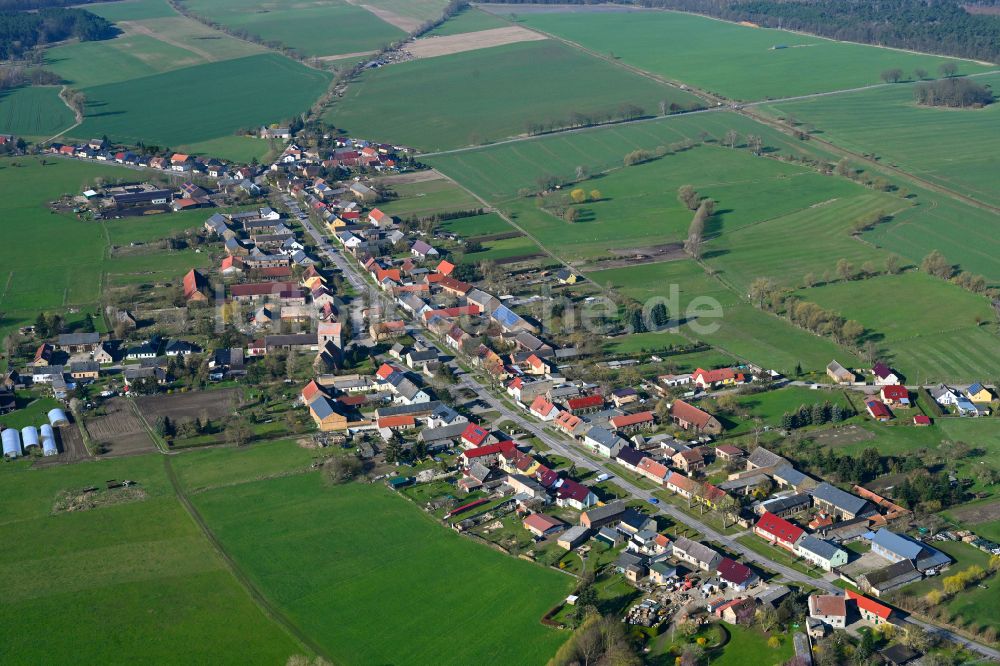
{"points": [[21, 31], [943, 26], [958, 93]]}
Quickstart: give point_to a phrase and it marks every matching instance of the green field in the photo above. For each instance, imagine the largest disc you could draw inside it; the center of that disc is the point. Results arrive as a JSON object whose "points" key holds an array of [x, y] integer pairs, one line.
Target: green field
{"points": [[480, 84], [132, 10], [205, 102], [34, 112], [704, 52], [235, 148], [477, 225], [956, 148], [419, 10], [426, 198], [131, 582], [469, 20], [499, 172], [310, 548], [927, 326], [318, 28], [639, 206]]}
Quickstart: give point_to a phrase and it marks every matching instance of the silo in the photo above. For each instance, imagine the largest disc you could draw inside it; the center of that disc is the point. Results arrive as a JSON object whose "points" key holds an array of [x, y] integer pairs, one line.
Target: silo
{"points": [[57, 418], [11, 438], [29, 437], [49, 446]]}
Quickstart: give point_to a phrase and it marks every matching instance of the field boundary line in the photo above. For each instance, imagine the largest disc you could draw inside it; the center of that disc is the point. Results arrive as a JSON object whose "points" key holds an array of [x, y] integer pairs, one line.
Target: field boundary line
{"points": [[262, 602]]}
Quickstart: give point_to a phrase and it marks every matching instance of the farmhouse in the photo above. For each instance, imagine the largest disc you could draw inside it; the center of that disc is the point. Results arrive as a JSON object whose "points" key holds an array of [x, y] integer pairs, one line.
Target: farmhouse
{"points": [[689, 417], [327, 414], [895, 395], [884, 376], [899, 548], [821, 553], [839, 374], [74, 343], [830, 609], [839, 503], [871, 610], [778, 531], [712, 378], [542, 525], [695, 553]]}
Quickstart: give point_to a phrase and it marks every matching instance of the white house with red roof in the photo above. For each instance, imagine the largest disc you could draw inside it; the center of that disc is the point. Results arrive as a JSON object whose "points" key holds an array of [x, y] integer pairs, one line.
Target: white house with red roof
{"points": [[574, 494], [884, 375], [896, 395], [543, 409], [476, 435], [778, 531]]}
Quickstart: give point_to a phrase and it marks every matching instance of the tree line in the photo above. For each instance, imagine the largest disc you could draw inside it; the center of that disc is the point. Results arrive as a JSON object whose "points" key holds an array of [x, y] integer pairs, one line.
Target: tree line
{"points": [[21, 31], [942, 27], [960, 93]]}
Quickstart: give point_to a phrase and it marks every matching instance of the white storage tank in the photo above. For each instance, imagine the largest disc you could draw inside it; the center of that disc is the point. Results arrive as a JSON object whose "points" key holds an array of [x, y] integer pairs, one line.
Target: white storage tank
{"points": [[11, 439], [57, 418], [49, 446], [29, 437]]}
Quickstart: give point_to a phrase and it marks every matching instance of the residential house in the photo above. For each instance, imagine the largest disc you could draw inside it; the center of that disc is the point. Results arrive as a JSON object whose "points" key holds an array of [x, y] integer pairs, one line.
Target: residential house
{"points": [[884, 376], [603, 442], [102, 354], [871, 611], [328, 414], [576, 495], [661, 573], [736, 575], [653, 470], [487, 455], [728, 453], [475, 435], [979, 393], [422, 250], [830, 609], [84, 370], [542, 525], [765, 460], [682, 485], [822, 553], [689, 417], [689, 461], [624, 396], [629, 457], [543, 409], [877, 410], [695, 553], [778, 531], [715, 378], [895, 395], [633, 422]]}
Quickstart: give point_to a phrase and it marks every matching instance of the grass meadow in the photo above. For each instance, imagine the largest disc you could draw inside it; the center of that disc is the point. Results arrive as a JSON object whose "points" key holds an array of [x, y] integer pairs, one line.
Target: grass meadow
{"points": [[808, 64], [371, 590], [926, 326], [418, 10], [140, 576], [481, 85], [318, 28], [428, 197], [477, 225], [34, 112], [469, 20], [499, 172], [206, 102], [956, 148]]}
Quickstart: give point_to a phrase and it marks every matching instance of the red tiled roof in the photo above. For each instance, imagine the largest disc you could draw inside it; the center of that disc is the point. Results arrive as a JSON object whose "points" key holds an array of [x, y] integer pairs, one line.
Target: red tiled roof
{"points": [[573, 490], [689, 413], [265, 288], [654, 468], [779, 528], [870, 605], [920, 419], [445, 267], [311, 390], [632, 419], [475, 434], [680, 481], [877, 409], [385, 370], [400, 421], [489, 449], [541, 406], [541, 522], [712, 376], [585, 402], [895, 392]]}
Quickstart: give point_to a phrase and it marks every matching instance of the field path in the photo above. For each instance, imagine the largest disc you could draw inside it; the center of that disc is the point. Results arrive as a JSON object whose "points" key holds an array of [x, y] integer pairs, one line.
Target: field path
{"points": [[404, 23], [270, 610], [139, 29], [345, 56]]}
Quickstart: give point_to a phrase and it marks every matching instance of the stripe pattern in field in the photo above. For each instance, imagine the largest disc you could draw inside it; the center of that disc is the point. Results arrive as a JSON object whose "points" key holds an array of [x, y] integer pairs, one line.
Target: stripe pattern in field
{"points": [[431, 47]]}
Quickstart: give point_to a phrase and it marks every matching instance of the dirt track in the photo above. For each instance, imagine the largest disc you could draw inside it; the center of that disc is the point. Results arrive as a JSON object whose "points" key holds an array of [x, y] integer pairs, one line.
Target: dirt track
{"points": [[430, 47]]}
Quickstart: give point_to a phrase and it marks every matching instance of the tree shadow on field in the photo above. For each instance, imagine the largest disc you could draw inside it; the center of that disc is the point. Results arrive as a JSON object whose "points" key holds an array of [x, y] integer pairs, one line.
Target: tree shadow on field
{"points": [[713, 254], [714, 224]]}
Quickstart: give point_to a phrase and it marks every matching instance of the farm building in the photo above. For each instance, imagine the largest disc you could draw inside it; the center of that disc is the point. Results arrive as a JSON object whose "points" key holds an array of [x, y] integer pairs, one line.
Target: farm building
{"points": [[57, 418], [689, 417], [29, 437], [11, 439], [839, 374], [49, 446]]}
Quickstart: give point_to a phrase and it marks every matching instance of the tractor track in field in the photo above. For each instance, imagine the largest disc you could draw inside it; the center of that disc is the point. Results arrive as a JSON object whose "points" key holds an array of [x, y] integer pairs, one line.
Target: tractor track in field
{"points": [[258, 597]]}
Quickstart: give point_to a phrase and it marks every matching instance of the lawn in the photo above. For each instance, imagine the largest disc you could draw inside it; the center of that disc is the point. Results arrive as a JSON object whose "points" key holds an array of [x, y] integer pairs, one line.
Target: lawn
{"points": [[469, 20], [140, 576], [741, 63], [772, 405], [745, 641], [927, 326], [479, 84], [34, 112], [951, 147], [315, 552], [499, 173], [206, 102], [317, 28]]}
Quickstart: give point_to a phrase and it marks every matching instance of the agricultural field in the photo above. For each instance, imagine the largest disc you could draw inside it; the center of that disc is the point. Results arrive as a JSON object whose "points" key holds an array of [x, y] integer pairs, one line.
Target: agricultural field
{"points": [[137, 571], [336, 591], [806, 64], [425, 197], [469, 20], [479, 82], [207, 101], [500, 172], [199, 470], [955, 148], [241, 149], [477, 225], [418, 11], [748, 191], [928, 328], [34, 112], [320, 28]]}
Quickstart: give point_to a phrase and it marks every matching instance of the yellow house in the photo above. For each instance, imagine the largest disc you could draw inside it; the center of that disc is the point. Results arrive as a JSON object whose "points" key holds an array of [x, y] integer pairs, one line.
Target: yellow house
{"points": [[336, 225], [979, 393], [327, 416]]}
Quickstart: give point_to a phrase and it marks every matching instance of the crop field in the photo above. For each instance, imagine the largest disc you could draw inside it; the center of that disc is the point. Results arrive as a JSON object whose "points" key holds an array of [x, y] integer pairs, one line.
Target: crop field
{"points": [[477, 225], [202, 469], [417, 10], [242, 149], [927, 326], [33, 112], [806, 65], [957, 148], [504, 250], [469, 20], [809, 240], [337, 589], [639, 207], [427, 197], [138, 573], [499, 172], [206, 102], [132, 10], [480, 84], [319, 28]]}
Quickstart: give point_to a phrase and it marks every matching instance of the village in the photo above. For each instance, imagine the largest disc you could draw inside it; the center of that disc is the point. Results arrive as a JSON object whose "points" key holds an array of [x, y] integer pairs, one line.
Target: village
{"points": [[407, 362]]}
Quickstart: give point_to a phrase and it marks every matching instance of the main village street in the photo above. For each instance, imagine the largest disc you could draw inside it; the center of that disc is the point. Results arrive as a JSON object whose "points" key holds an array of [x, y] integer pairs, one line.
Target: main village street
{"points": [[469, 381]]}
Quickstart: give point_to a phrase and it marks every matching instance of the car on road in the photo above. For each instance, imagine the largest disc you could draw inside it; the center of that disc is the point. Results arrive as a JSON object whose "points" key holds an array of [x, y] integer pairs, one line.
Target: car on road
{"points": [[653, 501]]}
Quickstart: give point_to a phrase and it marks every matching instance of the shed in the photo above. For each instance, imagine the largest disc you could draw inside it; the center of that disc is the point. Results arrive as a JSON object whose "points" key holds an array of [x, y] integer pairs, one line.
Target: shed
{"points": [[57, 418], [49, 446], [11, 438], [29, 437]]}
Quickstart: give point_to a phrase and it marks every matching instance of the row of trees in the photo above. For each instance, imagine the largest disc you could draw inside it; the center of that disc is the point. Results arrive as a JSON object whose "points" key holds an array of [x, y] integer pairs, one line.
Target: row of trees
{"points": [[937, 265], [956, 93], [818, 414], [895, 74]]}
